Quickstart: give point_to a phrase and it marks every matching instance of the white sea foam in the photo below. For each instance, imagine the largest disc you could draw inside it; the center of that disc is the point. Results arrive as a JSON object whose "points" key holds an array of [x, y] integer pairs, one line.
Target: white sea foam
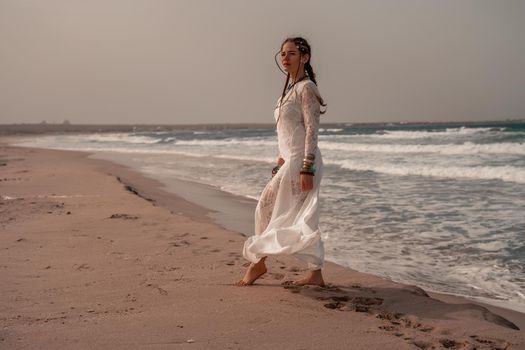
{"points": [[484, 279], [10, 198], [418, 134], [465, 148], [504, 173], [120, 137], [152, 151], [330, 130], [490, 246], [228, 142]]}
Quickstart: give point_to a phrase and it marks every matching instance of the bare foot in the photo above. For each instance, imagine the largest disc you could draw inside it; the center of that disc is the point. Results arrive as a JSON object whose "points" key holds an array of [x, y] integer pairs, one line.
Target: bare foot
{"points": [[314, 278], [253, 273]]}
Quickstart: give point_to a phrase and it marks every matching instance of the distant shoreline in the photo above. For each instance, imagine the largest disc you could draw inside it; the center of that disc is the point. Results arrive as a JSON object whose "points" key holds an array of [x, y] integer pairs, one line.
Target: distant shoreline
{"points": [[44, 128]]}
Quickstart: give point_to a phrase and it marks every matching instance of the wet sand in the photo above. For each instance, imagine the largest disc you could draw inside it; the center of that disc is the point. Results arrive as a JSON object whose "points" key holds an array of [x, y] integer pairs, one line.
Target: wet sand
{"points": [[94, 255]]}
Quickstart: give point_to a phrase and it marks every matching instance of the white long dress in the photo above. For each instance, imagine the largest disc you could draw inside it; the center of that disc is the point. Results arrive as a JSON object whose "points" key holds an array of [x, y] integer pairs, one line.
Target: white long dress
{"points": [[287, 219]]}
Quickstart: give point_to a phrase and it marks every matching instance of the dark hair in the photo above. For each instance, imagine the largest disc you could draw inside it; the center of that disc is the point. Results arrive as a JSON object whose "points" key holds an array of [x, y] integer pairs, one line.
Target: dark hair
{"points": [[304, 49]]}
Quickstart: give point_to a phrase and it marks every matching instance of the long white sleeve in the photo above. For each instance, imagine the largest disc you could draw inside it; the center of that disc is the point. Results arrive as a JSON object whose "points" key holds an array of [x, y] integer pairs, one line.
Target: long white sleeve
{"points": [[311, 109]]}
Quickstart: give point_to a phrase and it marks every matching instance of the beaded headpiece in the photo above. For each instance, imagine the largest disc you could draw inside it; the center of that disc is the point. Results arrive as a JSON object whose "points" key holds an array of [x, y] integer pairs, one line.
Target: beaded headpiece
{"points": [[302, 45]]}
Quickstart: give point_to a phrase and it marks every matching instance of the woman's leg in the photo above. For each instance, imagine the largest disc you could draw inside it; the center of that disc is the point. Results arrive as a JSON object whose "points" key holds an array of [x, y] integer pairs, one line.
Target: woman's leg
{"points": [[314, 277], [263, 215], [264, 209], [253, 272]]}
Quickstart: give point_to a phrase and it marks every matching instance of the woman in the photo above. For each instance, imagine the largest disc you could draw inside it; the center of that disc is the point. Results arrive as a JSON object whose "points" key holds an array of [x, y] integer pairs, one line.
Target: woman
{"points": [[287, 215]]}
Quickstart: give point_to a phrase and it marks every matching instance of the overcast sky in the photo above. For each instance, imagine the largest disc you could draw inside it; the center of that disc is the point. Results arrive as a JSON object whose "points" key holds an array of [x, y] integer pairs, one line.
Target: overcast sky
{"points": [[197, 61]]}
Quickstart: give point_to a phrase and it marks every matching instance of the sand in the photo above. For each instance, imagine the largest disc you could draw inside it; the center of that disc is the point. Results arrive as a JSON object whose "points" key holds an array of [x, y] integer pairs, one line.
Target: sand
{"points": [[96, 256]]}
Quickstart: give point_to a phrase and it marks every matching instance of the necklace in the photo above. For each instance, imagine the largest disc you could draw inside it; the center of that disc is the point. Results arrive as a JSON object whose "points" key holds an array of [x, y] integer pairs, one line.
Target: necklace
{"points": [[295, 82], [283, 100]]}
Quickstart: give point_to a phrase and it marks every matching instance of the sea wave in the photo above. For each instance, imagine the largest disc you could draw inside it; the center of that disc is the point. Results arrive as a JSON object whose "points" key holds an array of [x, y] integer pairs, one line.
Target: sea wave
{"points": [[228, 142], [505, 173], [464, 148], [119, 137], [449, 132], [330, 130]]}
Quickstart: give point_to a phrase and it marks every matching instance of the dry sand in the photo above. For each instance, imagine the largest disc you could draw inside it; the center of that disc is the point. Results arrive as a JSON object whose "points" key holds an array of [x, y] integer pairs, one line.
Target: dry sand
{"points": [[95, 256]]}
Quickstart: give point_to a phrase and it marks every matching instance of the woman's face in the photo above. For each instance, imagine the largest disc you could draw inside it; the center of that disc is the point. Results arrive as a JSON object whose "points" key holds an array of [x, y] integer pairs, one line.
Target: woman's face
{"points": [[291, 59]]}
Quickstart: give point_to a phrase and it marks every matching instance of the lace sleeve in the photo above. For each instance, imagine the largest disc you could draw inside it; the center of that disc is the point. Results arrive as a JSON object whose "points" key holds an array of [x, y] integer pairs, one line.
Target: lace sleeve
{"points": [[311, 112]]}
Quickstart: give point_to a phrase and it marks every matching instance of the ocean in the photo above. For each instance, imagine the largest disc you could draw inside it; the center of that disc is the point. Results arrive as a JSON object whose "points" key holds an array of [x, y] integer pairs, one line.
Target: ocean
{"points": [[439, 206]]}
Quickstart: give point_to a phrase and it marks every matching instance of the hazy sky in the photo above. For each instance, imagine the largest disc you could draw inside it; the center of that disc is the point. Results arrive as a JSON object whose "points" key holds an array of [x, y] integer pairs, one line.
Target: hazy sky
{"points": [[196, 61]]}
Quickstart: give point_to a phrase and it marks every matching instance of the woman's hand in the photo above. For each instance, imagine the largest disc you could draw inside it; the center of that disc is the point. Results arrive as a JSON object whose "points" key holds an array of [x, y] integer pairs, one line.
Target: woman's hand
{"points": [[307, 182], [280, 163]]}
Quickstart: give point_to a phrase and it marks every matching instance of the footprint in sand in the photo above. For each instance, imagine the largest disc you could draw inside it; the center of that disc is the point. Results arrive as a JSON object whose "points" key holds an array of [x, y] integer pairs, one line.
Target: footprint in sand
{"points": [[450, 344], [276, 275], [493, 343], [131, 298], [294, 269], [422, 344], [159, 289], [291, 287], [336, 298], [124, 216], [235, 254], [82, 267], [405, 321], [180, 243]]}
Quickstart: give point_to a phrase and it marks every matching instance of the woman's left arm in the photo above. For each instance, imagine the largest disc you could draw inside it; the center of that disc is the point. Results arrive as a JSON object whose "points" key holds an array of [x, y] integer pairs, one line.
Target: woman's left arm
{"points": [[311, 113], [311, 109]]}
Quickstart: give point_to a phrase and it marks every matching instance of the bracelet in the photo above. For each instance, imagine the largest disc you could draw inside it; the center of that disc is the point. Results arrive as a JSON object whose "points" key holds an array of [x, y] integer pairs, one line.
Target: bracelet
{"points": [[275, 170], [309, 171], [309, 157]]}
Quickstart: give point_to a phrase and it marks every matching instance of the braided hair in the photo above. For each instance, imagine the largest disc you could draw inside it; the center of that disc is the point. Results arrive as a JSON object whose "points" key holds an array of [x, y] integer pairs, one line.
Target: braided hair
{"points": [[304, 49]]}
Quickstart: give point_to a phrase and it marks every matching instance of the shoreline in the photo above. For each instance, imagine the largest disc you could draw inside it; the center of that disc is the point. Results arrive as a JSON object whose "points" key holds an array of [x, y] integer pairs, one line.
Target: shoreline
{"points": [[405, 299], [223, 208], [198, 194]]}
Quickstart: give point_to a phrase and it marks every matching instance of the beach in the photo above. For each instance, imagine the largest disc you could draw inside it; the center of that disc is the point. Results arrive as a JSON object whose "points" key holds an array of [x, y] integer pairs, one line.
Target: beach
{"points": [[95, 255], [435, 205]]}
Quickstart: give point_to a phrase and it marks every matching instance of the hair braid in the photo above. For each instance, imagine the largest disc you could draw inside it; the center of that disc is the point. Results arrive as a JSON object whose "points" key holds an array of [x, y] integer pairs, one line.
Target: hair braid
{"points": [[310, 72], [285, 85]]}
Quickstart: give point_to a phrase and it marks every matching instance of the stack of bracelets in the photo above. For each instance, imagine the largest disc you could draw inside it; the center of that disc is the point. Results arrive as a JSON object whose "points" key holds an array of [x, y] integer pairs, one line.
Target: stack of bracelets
{"points": [[308, 165]]}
